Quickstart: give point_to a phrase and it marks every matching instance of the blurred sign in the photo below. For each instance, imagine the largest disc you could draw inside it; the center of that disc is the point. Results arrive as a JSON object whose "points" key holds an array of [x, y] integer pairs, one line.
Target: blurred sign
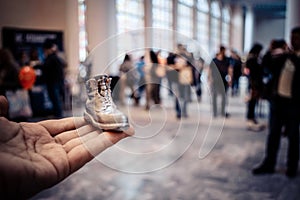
{"points": [[24, 40]]}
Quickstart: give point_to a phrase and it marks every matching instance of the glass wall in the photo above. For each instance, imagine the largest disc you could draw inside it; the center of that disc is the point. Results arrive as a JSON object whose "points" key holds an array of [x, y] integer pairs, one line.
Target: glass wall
{"points": [[162, 14], [226, 26], [203, 20], [203, 24], [215, 26], [130, 16], [162, 22], [185, 17]]}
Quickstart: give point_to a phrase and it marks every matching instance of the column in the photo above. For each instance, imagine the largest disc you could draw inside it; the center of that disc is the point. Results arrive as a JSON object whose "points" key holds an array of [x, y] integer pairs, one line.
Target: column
{"points": [[236, 28], [72, 42], [292, 17], [148, 23], [248, 30], [101, 31], [175, 14]]}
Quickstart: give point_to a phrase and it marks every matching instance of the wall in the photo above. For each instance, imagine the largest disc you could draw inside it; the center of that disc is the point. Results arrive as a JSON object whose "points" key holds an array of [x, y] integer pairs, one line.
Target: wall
{"points": [[41, 14], [59, 15], [101, 30], [267, 29], [292, 15], [236, 31]]}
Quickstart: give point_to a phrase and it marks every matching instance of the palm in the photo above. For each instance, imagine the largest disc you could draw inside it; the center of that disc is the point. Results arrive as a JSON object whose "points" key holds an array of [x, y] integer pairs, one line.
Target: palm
{"points": [[39, 155]]}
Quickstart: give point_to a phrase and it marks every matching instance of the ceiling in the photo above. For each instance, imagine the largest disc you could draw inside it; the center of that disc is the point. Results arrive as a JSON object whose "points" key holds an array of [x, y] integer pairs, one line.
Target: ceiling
{"points": [[263, 8]]}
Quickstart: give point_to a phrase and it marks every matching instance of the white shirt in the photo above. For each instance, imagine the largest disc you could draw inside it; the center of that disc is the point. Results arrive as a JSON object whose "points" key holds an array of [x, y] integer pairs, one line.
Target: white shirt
{"points": [[286, 79]]}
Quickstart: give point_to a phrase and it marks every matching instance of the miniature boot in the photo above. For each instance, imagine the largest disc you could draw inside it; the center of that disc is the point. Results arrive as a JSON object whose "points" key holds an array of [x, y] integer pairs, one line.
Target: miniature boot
{"points": [[101, 111]]}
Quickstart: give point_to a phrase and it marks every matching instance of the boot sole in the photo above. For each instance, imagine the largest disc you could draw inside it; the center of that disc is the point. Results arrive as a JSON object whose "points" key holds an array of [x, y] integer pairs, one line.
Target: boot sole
{"points": [[116, 127]]}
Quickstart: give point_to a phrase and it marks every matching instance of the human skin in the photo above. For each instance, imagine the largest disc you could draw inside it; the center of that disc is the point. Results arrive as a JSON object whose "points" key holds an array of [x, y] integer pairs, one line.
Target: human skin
{"points": [[36, 156]]}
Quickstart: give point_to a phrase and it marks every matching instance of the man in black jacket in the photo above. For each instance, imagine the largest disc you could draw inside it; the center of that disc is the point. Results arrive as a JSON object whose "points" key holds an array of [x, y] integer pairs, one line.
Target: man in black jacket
{"points": [[53, 72], [284, 109], [220, 78]]}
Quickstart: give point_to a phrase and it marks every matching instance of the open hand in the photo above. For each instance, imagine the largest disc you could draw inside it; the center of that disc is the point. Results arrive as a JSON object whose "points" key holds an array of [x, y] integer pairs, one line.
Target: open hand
{"points": [[35, 156]]}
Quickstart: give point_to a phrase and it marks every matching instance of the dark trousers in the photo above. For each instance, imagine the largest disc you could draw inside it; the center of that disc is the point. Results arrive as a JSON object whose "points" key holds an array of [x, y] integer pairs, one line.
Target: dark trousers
{"points": [[198, 89], [251, 108], [141, 86], [283, 113], [235, 86], [55, 92], [155, 93]]}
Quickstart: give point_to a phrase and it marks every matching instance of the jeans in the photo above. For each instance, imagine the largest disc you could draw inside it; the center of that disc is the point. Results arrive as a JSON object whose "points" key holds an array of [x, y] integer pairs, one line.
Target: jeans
{"points": [[181, 100], [55, 92]]}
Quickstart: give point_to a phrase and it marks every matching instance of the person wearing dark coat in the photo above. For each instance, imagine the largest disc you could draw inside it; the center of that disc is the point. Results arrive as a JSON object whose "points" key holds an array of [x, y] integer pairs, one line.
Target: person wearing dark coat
{"points": [[255, 82], [53, 72], [284, 109]]}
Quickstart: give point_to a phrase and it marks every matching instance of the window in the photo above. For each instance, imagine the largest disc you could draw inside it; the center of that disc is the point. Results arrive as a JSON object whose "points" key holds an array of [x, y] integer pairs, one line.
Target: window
{"points": [[226, 26], [215, 26], [185, 17], [83, 43], [130, 16], [162, 14], [162, 17], [203, 24], [202, 5]]}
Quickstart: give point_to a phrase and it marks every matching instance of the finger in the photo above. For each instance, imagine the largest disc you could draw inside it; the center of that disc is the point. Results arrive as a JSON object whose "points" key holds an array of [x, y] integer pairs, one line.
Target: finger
{"points": [[129, 131], [55, 127], [3, 106], [68, 146], [9, 129], [92, 134], [82, 154], [65, 137], [105, 140], [78, 157]]}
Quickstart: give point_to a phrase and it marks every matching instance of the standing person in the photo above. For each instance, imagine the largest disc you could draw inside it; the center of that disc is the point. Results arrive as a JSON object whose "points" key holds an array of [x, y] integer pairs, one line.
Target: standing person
{"points": [[128, 78], [140, 66], [277, 47], [175, 64], [171, 73], [189, 60], [9, 70], [220, 66], [155, 79], [23, 58], [53, 72], [185, 80], [256, 84], [236, 64], [284, 109], [197, 72], [34, 59]]}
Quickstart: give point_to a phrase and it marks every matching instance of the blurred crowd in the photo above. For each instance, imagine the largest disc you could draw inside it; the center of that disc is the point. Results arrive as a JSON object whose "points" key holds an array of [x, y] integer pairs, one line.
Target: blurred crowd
{"points": [[183, 73], [33, 82], [144, 77]]}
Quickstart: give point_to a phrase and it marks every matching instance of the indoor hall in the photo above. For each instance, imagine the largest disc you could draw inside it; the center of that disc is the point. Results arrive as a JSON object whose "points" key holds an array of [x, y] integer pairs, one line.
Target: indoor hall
{"points": [[195, 155]]}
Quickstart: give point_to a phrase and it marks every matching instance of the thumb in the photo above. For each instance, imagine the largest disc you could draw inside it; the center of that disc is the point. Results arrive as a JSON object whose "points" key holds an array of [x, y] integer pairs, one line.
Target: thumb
{"points": [[3, 106]]}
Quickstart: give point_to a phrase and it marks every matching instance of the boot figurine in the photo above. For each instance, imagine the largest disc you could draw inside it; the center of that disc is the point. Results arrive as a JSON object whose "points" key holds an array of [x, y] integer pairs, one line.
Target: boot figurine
{"points": [[101, 111]]}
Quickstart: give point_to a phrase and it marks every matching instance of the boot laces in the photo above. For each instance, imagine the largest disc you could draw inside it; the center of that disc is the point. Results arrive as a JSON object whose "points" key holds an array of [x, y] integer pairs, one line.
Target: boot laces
{"points": [[105, 92]]}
